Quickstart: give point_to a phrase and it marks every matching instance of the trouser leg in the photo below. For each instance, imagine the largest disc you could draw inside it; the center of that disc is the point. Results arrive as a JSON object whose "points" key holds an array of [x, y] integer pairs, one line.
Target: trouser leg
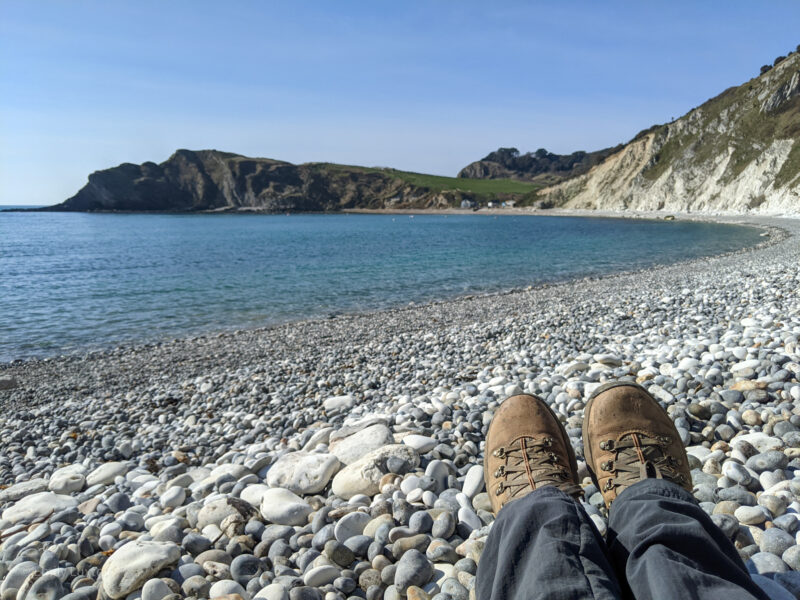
{"points": [[668, 547], [545, 546]]}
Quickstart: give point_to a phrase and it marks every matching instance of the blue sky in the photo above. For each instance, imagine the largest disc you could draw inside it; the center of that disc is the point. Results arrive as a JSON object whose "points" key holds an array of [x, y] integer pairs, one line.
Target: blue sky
{"points": [[425, 86]]}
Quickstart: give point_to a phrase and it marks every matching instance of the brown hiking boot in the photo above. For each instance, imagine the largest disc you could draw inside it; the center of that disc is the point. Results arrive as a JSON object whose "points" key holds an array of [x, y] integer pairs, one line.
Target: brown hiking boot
{"points": [[628, 437], [527, 448]]}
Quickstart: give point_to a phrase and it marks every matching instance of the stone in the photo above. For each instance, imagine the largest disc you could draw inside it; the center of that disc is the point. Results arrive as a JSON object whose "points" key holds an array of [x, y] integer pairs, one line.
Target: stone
{"points": [[37, 506], [274, 591], [155, 589], [66, 480], [776, 541], [750, 515], [280, 506], [22, 489], [351, 525], [215, 512], [420, 443], [106, 473], [227, 587], [473, 481], [353, 447], [766, 562], [337, 404], [364, 475], [46, 587], [303, 473], [413, 568], [133, 564], [319, 576]]}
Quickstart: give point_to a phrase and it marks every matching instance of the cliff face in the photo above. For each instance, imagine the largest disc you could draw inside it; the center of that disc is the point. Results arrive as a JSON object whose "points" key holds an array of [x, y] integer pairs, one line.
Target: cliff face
{"points": [[211, 180], [738, 152]]}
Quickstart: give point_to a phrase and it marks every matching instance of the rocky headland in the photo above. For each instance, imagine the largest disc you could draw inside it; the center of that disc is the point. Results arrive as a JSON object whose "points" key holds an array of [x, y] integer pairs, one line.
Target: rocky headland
{"points": [[343, 458], [214, 181]]}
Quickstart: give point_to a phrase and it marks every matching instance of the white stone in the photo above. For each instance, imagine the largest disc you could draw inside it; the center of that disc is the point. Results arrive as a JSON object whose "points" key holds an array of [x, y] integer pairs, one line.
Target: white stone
{"points": [[236, 471], [22, 489], [253, 493], [274, 591], [226, 587], [350, 449], [420, 443], [319, 576], [283, 507], [68, 479], [303, 472], [106, 473], [133, 564], [473, 481], [338, 403], [37, 506], [173, 497], [364, 476], [215, 512]]}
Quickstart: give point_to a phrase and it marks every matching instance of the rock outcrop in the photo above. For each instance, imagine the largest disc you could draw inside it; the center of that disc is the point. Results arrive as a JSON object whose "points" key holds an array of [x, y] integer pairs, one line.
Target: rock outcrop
{"points": [[209, 180], [541, 167]]}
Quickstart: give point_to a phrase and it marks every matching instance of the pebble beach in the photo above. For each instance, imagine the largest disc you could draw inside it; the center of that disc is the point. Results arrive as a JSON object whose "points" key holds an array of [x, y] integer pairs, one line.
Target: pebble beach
{"points": [[342, 458]]}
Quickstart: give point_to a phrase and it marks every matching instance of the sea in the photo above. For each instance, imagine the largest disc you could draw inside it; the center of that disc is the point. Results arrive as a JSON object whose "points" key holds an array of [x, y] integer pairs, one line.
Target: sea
{"points": [[74, 282]]}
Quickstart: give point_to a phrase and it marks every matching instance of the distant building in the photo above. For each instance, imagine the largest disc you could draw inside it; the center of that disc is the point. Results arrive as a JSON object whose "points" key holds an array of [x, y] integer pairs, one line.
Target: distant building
{"points": [[469, 204]]}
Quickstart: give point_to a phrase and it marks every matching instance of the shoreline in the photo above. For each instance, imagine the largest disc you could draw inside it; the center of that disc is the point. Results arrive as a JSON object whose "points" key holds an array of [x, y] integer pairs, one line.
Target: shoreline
{"points": [[772, 227], [196, 347]]}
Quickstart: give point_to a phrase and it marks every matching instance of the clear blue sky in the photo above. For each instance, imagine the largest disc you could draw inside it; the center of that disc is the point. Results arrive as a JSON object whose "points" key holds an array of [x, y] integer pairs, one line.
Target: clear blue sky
{"points": [[426, 86]]}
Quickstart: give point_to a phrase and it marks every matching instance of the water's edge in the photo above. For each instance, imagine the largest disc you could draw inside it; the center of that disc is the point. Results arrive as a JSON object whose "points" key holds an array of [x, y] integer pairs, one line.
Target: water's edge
{"points": [[770, 225]]}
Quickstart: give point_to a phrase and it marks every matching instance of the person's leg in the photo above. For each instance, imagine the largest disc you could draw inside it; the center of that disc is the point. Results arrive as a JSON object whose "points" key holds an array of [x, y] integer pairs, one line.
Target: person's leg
{"points": [[545, 546], [659, 539], [542, 545], [668, 547]]}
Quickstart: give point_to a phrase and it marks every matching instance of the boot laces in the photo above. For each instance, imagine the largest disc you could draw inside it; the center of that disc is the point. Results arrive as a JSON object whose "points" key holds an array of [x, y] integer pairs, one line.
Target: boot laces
{"points": [[638, 456], [529, 464]]}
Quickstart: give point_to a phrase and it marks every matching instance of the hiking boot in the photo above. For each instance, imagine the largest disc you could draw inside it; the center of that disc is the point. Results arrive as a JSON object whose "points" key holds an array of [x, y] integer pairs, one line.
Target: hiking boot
{"points": [[527, 448], [628, 437]]}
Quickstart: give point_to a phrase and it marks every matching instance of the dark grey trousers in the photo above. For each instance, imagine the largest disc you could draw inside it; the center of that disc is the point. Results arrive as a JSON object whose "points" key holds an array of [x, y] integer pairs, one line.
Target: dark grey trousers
{"points": [[661, 544]]}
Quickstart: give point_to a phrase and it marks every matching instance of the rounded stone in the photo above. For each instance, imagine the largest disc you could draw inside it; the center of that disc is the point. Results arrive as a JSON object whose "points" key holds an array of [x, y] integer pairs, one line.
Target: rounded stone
{"points": [[282, 507]]}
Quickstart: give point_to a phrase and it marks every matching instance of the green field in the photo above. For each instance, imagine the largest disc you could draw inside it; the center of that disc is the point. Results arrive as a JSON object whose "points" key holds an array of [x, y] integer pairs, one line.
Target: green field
{"points": [[479, 187]]}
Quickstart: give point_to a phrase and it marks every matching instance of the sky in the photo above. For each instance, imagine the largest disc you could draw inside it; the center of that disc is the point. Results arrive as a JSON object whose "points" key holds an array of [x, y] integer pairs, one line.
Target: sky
{"points": [[426, 86]]}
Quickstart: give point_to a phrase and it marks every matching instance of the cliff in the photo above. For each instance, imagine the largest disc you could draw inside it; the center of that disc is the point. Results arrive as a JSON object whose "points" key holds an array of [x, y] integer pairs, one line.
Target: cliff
{"points": [[738, 152], [209, 180]]}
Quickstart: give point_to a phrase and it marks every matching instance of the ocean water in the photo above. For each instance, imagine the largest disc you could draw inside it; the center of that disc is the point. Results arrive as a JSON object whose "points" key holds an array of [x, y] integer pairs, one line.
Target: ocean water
{"points": [[73, 282]]}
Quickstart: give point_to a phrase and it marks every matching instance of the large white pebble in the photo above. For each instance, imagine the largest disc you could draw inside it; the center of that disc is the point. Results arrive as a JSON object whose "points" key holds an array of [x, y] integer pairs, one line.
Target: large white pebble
{"points": [[133, 564], [283, 507]]}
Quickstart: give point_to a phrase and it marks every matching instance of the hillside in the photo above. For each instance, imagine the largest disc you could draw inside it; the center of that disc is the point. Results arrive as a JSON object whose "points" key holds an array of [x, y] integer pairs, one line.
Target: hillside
{"points": [[209, 180], [540, 167], [738, 152]]}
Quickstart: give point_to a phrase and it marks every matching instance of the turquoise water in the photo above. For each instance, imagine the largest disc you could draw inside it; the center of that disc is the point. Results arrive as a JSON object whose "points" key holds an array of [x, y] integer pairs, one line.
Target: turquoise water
{"points": [[72, 282]]}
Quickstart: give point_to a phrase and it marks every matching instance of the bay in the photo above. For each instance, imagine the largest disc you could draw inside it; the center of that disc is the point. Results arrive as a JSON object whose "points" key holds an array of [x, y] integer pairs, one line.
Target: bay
{"points": [[72, 282]]}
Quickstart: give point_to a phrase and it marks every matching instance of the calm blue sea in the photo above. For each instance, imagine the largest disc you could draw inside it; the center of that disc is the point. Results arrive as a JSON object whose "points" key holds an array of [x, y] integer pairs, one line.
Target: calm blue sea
{"points": [[73, 282]]}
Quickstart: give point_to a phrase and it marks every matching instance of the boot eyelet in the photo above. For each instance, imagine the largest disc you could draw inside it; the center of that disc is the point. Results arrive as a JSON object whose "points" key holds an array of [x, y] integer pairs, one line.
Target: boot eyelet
{"points": [[500, 472], [608, 486], [500, 452], [607, 445], [548, 441], [499, 490], [607, 465]]}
